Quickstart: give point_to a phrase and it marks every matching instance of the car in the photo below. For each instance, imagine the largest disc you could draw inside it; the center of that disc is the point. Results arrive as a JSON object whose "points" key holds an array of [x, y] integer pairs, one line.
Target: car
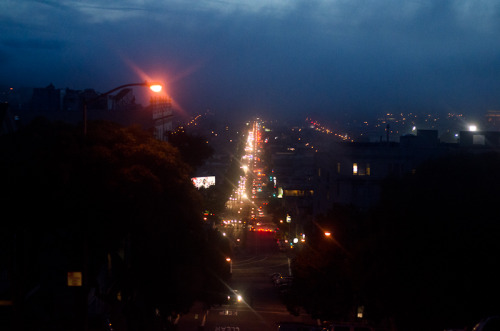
{"points": [[274, 276], [234, 297], [283, 280], [488, 324]]}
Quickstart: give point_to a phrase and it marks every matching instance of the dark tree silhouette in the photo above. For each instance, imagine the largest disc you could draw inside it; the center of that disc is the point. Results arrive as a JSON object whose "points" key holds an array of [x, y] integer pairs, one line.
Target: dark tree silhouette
{"points": [[193, 149], [437, 243], [117, 205], [424, 259]]}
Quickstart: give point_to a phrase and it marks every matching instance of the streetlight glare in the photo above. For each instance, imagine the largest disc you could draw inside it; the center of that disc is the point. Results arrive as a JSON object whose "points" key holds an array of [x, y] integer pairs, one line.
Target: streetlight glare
{"points": [[472, 127], [155, 87]]}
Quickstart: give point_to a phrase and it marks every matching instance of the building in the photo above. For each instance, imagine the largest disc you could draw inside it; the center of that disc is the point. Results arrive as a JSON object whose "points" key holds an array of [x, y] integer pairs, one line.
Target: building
{"points": [[161, 110], [7, 122], [479, 140], [67, 105], [124, 100], [46, 99], [353, 173], [72, 101], [493, 119]]}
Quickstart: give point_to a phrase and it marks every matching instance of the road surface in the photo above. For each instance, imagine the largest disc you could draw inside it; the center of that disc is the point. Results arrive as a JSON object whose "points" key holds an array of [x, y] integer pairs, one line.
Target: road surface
{"points": [[262, 308]]}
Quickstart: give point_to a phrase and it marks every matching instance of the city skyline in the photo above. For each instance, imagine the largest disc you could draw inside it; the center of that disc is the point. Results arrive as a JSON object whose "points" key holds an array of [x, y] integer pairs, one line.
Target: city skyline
{"points": [[288, 59], [62, 104]]}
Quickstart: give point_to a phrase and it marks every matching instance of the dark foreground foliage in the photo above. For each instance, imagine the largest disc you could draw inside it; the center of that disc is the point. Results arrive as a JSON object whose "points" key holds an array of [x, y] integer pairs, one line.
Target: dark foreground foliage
{"points": [[118, 206], [424, 259]]}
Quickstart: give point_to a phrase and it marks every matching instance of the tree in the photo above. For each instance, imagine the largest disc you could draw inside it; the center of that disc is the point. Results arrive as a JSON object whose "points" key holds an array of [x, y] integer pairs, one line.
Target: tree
{"points": [[436, 243], [326, 272], [118, 205], [194, 150], [424, 258]]}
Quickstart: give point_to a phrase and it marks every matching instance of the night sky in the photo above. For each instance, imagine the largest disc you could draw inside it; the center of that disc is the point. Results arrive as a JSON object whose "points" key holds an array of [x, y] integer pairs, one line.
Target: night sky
{"points": [[283, 57]]}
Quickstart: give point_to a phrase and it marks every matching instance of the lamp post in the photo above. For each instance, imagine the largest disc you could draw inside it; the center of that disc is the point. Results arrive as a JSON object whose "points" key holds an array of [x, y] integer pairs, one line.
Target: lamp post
{"points": [[155, 87], [83, 281]]}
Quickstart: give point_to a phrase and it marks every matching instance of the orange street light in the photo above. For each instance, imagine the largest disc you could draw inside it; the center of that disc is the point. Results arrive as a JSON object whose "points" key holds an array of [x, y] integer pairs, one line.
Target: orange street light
{"points": [[153, 86]]}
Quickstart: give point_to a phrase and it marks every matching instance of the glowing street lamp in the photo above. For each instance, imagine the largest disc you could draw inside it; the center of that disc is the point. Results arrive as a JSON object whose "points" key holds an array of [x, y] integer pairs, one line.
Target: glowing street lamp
{"points": [[228, 260], [153, 86], [472, 127]]}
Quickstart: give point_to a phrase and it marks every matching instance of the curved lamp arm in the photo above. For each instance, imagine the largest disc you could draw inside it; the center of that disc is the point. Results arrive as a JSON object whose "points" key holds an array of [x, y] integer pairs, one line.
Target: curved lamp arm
{"points": [[155, 87]]}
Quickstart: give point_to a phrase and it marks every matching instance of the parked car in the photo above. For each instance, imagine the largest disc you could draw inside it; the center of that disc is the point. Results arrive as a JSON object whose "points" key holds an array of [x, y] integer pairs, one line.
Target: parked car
{"points": [[274, 276], [283, 280]]}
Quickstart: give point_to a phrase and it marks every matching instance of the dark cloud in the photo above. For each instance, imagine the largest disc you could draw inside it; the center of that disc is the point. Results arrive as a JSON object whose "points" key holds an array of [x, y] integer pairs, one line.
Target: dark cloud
{"points": [[272, 56], [35, 43]]}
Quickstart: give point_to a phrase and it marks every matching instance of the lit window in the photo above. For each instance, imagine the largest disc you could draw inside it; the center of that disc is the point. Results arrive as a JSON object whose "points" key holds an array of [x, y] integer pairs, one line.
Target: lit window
{"points": [[368, 170], [354, 168]]}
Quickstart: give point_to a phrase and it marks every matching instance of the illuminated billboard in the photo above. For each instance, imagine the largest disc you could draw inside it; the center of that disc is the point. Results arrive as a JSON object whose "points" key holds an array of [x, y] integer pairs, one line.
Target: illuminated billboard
{"points": [[205, 182]]}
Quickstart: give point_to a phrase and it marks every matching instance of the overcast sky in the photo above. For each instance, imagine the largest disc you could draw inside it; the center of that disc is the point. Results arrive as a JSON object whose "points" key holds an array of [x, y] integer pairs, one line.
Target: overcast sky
{"points": [[283, 57]]}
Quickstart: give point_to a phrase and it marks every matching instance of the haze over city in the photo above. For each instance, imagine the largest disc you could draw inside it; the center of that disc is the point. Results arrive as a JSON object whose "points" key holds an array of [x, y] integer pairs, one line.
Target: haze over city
{"points": [[285, 58]]}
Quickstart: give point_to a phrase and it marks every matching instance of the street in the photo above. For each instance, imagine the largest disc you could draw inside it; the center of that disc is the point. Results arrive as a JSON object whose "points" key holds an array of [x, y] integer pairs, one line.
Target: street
{"points": [[255, 257], [262, 308]]}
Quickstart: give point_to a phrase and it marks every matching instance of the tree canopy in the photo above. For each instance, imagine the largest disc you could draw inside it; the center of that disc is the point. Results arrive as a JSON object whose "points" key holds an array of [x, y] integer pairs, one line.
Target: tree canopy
{"points": [[438, 241], [118, 205], [193, 149], [425, 258]]}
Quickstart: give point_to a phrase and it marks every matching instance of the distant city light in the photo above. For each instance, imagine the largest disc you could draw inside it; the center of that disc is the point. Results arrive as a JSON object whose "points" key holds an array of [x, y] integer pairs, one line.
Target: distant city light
{"points": [[472, 127]]}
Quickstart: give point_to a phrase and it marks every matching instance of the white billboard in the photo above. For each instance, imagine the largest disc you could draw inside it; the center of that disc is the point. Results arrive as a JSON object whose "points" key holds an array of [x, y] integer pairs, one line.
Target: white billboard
{"points": [[205, 182]]}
